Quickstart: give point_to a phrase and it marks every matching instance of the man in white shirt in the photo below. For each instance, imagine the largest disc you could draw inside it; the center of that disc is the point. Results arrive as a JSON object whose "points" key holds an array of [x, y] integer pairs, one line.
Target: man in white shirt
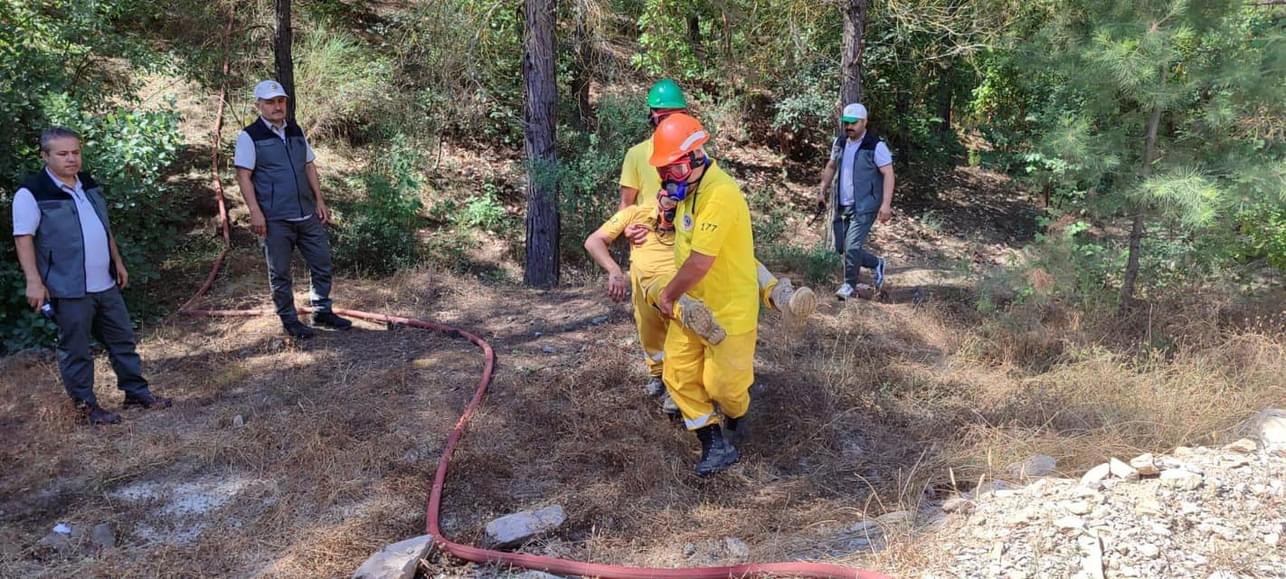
{"points": [[279, 181], [74, 275], [863, 192]]}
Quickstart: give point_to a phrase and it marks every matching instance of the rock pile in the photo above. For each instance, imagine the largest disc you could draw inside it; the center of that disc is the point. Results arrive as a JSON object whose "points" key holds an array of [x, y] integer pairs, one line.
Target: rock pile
{"points": [[1196, 512]]}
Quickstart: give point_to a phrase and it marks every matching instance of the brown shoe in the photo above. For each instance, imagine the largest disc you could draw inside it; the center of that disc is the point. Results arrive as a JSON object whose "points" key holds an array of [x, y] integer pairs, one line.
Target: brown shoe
{"points": [[147, 401], [95, 414]]}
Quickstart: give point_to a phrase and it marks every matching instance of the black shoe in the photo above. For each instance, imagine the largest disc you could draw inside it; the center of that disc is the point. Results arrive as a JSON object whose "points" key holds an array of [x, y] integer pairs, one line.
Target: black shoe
{"points": [[96, 415], [147, 401], [737, 430], [332, 321], [298, 330], [717, 454]]}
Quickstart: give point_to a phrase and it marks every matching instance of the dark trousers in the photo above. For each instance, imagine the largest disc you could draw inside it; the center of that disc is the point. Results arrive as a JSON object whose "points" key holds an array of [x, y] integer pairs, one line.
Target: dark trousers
{"points": [[310, 237], [104, 317], [851, 230]]}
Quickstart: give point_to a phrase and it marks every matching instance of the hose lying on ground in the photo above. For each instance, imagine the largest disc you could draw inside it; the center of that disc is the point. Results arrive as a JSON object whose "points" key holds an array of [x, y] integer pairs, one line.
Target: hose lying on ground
{"points": [[467, 552]]}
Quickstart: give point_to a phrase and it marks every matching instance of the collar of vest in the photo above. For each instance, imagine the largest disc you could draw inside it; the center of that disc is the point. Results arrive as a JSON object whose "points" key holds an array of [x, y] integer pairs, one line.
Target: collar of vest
{"points": [[868, 142], [43, 186], [258, 130]]}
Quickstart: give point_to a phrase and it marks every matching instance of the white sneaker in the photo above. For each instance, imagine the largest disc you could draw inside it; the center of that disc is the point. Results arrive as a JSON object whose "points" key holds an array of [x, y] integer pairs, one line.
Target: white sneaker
{"points": [[844, 292]]}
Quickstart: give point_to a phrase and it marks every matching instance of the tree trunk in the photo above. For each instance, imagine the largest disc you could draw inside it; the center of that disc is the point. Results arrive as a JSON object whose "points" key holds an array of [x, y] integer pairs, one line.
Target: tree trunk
{"points": [[694, 36], [945, 94], [851, 61], [281, 40], [1136, 228], [540, 114]]}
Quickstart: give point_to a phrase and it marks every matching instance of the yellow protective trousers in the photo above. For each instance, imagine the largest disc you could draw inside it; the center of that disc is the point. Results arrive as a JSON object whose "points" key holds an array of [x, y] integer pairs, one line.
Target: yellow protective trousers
{"points": [[698, 376], [651, 324]]}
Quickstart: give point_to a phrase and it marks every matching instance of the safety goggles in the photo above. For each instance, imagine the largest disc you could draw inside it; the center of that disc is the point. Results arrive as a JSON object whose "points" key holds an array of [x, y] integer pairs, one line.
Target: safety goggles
{"points": [[655, 116], [678, 171]]}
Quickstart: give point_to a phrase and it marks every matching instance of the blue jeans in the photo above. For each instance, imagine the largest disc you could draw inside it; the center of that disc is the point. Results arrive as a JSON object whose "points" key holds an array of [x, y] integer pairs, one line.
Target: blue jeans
{"points": [[851, 230]]}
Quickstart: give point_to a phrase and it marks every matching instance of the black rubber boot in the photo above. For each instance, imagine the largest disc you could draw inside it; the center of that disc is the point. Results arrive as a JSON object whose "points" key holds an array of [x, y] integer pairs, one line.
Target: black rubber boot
{"points": [[717, 454], [738, 429]]}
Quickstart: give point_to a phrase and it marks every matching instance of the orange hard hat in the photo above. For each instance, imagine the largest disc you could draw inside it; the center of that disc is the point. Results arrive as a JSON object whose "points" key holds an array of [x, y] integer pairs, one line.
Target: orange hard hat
{"points": [[676, 136]]}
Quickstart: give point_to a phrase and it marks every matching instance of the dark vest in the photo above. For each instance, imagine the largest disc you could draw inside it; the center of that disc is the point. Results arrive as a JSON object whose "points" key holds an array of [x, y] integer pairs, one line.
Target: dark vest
{"points": [[281, 186], [868, 181], [59, 241]]}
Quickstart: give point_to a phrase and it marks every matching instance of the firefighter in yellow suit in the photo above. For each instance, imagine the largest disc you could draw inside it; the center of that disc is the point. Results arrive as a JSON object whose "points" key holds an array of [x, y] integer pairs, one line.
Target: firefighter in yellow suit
{"points": [[652, 252], [652, 266], [714, 250]]}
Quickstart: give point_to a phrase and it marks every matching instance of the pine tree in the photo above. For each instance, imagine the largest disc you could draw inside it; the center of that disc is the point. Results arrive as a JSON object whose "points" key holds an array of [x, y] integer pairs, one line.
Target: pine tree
{"points": [[1161, 112]]}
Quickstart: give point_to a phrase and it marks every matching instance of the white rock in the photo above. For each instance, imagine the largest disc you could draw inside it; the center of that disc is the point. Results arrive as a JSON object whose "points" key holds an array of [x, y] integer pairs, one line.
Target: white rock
{"points": [[536, 575], [1149, 550], [1092, 565], [1244, 445], [1145, 464], [1078, 508], [238, 421], [1122, 471], [1020, 517], [519, 527], [397, 561], [1096, 475], [1272, 539], [104, 536], [987, 488], [1269, 426], [895, 518], [736, 547], [957, 505], [1228, 533], [1036, 466], [1087, 493], [1070, 522], [55, 541], [1180, 478]]}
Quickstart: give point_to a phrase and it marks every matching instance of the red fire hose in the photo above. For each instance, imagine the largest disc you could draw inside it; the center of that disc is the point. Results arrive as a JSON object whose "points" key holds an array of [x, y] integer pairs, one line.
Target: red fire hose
{"points": [[467, 552]]}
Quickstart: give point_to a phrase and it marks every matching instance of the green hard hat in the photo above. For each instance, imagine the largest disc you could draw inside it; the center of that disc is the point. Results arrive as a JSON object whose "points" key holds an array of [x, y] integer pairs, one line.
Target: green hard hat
{"points": [[666, 94]]}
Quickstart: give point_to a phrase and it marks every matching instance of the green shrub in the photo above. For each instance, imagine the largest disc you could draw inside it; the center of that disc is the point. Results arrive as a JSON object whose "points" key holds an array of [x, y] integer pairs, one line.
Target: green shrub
{"points": [[342, 85], [54, 73], [590, 167], [378, 234], [127, 151], [818, 264], [483, 211]]}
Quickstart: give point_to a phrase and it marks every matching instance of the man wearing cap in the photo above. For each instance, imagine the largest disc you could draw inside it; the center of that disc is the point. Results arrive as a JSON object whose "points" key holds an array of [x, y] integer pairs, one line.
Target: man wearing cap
{"points": [[863, 192], [714, 250], [75, 275], [278, 178]]}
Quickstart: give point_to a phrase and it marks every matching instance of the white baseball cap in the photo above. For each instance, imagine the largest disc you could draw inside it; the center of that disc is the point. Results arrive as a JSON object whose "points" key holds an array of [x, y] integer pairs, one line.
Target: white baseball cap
{"points": [[269, 89], [853, 112]]}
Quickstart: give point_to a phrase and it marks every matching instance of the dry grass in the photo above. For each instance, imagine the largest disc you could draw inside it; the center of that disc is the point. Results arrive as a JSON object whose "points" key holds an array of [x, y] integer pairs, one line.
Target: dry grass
{"points": [[868, 409]]}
